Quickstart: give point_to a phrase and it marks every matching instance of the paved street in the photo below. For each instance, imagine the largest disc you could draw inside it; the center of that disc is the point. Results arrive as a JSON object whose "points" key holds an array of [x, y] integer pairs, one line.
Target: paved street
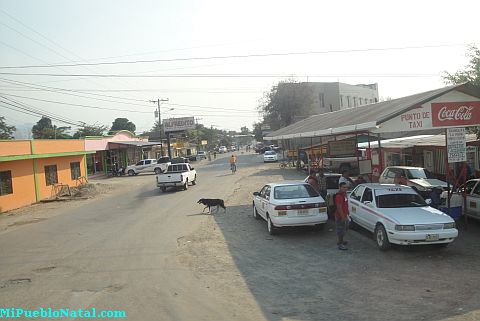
{"points": [[157, 257]]}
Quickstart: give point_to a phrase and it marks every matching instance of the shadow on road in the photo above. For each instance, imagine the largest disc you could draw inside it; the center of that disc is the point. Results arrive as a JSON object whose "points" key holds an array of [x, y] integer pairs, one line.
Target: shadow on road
{"points": [[300, 275]]}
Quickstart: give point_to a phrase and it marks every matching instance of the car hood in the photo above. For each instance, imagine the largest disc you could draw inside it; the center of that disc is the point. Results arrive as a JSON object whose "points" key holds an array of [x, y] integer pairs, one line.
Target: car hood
{"points": [[428, 182], [416, 215]]}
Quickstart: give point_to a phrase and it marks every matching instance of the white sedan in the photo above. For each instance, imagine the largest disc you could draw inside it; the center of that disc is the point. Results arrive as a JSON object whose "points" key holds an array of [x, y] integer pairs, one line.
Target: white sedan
{"points": [[289, 204], [270, 156], [397, 214]]}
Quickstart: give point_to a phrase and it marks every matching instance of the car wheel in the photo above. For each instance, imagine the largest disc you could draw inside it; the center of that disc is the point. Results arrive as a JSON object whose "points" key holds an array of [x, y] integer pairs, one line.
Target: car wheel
{"points": [[131, 172], [272, 230], [158, 171], [163, 188], [194, 182], [255, 213], [185, 187], [381, 238]]}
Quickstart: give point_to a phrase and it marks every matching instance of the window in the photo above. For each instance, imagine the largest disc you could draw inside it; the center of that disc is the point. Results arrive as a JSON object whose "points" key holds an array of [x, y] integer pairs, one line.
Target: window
{"points": [[140, 163], [357, 193], [262, 192], [348, 101], [321, 98], [148, 162], [341, 101], [294, 191], [75, 170], [354, 101], [51, 174], [361, 101], [367, 195], [6, 186], [267, 193]]}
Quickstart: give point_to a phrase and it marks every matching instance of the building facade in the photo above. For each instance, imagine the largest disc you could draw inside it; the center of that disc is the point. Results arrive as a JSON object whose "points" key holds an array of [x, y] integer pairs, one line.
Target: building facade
{"points": [[333, 96], [33, 170]]}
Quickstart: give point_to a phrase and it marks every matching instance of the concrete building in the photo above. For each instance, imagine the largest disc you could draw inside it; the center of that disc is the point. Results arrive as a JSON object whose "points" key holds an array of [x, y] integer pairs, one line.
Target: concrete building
{"points": [[333, 96], [32, 170]]}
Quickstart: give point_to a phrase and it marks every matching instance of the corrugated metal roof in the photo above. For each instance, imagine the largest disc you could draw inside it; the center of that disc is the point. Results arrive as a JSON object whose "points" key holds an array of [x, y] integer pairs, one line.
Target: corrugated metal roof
{"points": [[422, 140], [358, 118], [136, 143]]}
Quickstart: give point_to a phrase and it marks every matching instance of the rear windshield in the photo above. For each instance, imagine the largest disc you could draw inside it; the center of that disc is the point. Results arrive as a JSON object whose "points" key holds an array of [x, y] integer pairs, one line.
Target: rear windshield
{"points": [[269, 153], [294, 191], [400, 200], [332, 182]]}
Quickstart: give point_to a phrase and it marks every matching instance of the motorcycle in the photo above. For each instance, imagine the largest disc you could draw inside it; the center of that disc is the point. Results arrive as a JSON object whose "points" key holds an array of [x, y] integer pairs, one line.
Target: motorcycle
{"points": [[118, 172]]}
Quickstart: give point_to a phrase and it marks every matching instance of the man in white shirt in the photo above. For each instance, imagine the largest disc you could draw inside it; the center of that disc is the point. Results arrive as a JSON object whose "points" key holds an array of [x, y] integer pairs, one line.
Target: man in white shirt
{"points": [[346, 179]]}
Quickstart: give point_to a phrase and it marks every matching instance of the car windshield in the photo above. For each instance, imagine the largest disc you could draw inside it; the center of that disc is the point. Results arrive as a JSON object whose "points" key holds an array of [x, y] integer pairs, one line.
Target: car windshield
{"points": [[417, 173], [294, 191], [269, 153], [400, 200]]}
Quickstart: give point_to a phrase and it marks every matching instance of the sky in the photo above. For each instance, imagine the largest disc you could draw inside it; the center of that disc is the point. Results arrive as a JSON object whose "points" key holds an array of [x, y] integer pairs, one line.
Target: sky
{"points": [[404, 46]]}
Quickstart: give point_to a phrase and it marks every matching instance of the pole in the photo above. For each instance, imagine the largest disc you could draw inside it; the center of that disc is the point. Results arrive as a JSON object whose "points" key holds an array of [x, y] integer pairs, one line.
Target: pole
{"points": [[160, 127]]}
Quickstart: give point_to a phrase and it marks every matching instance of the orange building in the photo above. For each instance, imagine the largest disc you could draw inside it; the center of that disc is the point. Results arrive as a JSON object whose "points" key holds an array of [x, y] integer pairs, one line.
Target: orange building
{"points": [[32, 170]]}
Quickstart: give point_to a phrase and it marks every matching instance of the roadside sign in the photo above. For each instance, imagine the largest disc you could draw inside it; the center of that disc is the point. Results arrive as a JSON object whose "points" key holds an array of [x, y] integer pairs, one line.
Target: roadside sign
{"points": [[342, 148], [456, 145], [204, 142], [178, 124]]}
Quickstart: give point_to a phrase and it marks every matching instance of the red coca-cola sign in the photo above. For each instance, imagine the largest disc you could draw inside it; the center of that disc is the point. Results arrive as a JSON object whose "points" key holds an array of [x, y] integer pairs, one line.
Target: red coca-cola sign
{"points": [[456, 114]]}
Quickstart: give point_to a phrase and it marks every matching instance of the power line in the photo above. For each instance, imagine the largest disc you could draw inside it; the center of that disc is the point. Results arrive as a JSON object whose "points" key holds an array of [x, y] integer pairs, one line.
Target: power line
{"points": [[223, 75], [278, 54]]}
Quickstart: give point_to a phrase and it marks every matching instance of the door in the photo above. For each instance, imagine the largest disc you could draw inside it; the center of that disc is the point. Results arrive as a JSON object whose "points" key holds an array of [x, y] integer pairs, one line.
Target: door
{"points": [[147, 166], [139, 166], [367, 217], [473, 199], [354, 208], [258, 200], [266, 201], [428, 160]]}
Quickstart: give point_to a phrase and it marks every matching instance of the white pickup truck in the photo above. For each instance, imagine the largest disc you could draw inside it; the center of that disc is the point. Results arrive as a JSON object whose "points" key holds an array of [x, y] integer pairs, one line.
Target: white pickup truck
{"points": [[147, 166], [177, 175]]}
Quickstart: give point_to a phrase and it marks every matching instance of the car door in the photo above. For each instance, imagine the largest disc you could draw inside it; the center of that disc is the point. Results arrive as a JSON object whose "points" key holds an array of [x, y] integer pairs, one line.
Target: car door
{"points": [[368, 218], [473, 200], [388, 176], [258, 200], [266, 201], [139, 166], [354, 204], [146, 166]]}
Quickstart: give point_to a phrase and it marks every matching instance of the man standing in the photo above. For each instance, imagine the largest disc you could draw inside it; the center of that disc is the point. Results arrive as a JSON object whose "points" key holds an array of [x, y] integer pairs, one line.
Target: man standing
{"points": [[341, 215], [322, 183], [346, 179], [233, 163]]}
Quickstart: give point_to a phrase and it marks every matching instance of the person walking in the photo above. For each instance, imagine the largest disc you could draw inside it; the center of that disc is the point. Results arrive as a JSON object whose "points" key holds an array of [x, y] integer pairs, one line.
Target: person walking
{"points": [[341, 215], [214, 154], [346, 179], [312, 181], [233, 163]]}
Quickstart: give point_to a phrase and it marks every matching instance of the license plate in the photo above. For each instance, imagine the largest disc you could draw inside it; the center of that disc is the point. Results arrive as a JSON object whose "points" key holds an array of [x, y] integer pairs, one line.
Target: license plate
{"points": [[431, 237], [302, 212]]}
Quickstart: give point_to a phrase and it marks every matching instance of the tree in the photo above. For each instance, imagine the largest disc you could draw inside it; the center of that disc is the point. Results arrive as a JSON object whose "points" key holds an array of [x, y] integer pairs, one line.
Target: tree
{"points": [[471, 73], [244, 130], [285, 103], [122, 124], [6, 132], [257, 131], [90, 130], [45, 130]]}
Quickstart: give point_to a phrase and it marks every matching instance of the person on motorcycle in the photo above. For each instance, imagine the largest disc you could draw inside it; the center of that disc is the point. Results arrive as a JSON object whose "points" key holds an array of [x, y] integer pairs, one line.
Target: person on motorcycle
{"points": [[233, 162]]}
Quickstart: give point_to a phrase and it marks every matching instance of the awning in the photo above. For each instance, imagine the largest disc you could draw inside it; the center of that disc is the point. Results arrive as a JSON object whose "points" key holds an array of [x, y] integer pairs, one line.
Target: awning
{"points": [[135, 143]]}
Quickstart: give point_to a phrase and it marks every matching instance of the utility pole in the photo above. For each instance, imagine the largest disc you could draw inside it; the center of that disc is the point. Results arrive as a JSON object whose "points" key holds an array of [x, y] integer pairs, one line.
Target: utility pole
{"points": [[160, 127], [198, 136]]}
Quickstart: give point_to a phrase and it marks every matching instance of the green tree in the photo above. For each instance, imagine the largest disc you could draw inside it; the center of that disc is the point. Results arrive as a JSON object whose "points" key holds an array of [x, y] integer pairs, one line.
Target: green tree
{"points": [[257, 131], [471, 73], [6, 132], [45, 130], [122, 124], [244, 130], [90, 130], [285, 103]]}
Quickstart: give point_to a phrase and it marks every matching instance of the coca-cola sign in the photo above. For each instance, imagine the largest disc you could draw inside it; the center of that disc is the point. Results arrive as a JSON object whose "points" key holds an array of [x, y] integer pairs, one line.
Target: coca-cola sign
{"points": [[456, 114]]}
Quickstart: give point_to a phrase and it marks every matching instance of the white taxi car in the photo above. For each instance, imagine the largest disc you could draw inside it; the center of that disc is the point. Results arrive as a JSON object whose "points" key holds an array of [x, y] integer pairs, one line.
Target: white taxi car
{"points": [[289, 204], [397, 214], [270, 156]]}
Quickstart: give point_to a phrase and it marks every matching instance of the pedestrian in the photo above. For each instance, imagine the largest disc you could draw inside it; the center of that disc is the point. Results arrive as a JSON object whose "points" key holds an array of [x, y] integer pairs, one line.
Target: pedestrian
{"points": [[345, 178], [322, 183], [312, 181], [341, 215], [215, 154], [359, 180]]}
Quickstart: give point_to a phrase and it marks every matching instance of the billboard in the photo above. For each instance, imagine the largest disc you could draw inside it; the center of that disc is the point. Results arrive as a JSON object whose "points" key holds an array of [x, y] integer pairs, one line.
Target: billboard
{"points": [[178, 124], [456, 114], [342, 148]]}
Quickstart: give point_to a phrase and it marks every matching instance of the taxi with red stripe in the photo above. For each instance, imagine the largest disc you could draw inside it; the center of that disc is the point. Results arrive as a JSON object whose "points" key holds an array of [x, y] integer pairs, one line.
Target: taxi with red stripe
{"points": [[398, 214]]}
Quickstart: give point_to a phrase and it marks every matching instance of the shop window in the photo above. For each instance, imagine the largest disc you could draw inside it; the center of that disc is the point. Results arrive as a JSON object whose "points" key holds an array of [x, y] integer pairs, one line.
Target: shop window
{"points": [[75, 170], [51, 174], [6, 186]]}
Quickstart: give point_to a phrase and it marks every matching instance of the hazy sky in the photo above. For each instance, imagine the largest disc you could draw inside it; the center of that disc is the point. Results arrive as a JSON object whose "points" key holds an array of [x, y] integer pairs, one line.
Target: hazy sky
{"points": [[64, 32]]}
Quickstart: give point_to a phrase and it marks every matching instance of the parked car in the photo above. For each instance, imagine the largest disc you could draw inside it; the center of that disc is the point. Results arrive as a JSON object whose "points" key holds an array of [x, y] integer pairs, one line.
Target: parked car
{"points": [[472, 191], [146, 166], [289, 204], [419, 178], [201, 155], [177, 175], [270, 156], [222, 149], [179, 160], [398, 214]]}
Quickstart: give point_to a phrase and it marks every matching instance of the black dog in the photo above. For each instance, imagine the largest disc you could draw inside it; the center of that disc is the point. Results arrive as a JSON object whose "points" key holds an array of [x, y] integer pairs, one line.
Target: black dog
{"points": [[211, 202]]}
